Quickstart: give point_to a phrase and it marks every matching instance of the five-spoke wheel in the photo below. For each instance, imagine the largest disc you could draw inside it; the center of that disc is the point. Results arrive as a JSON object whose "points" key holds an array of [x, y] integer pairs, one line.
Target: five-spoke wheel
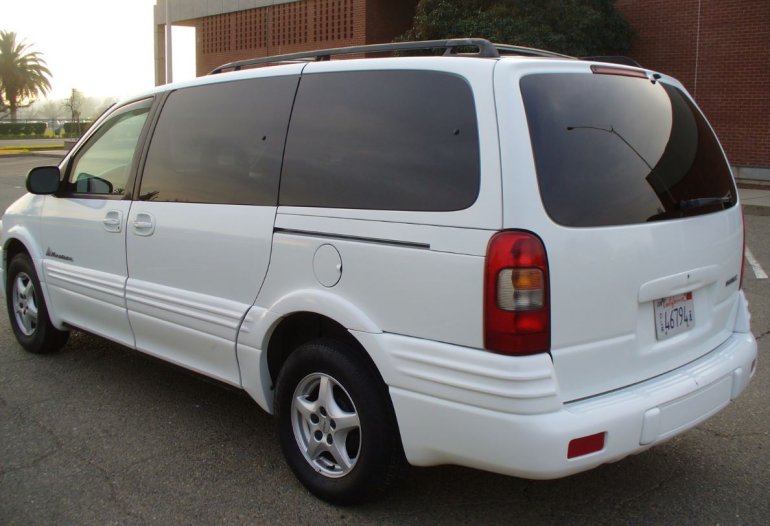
{"points": [[27, 309], [25, 303], [326, 425], [336, 422]]}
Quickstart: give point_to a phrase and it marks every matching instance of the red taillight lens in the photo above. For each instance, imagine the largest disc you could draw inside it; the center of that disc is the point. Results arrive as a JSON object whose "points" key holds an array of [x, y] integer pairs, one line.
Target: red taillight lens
{"points": [[743, 254], [517, 317]]}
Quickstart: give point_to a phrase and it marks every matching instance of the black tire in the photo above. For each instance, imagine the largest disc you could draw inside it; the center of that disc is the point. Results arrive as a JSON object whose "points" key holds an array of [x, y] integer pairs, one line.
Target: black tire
{"points": [[27, 310], [354, 392]]}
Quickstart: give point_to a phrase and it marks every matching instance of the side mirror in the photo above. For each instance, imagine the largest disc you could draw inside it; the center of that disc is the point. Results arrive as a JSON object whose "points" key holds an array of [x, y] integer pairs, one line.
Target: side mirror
{"points": [[91, 184], [43, 180]]}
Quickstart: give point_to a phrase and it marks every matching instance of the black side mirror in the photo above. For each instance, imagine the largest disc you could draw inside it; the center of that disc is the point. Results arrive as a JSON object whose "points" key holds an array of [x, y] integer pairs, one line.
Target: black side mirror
{"points": [[43, 180]]}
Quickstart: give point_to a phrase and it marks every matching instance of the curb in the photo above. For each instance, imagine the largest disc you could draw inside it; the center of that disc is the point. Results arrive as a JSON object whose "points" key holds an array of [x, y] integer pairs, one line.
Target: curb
{"points": [[754, 210], [34, 154], [754, 186]]}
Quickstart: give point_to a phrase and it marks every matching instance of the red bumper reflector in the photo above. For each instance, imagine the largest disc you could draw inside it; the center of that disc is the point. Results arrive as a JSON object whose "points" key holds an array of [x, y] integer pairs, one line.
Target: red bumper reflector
{"points": [[585, 445]]}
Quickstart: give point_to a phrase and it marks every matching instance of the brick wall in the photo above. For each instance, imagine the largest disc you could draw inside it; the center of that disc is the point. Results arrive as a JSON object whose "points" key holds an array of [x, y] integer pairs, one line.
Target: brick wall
{"points": [[298, 26], [386, 19], [720, 50]]}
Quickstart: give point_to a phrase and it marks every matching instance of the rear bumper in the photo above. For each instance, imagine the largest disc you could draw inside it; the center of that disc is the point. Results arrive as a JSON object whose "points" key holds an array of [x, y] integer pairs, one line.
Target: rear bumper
{"points": [[448, 429]]}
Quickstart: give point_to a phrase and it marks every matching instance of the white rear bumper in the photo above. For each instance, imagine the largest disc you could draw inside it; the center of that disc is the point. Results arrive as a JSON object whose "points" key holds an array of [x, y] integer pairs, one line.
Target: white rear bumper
{"points": [[488, 417], [436, 431]]}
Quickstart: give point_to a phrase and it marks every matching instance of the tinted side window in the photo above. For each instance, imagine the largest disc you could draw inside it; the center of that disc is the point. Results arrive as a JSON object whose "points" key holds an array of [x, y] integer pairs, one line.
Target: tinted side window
{"points": [[387, 140], [103, 166], [616, 150], [220, 143]]}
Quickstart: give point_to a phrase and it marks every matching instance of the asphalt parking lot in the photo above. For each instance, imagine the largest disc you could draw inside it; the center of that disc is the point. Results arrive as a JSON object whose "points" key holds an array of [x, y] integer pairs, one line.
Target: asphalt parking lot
{"points": [[99, 434]]}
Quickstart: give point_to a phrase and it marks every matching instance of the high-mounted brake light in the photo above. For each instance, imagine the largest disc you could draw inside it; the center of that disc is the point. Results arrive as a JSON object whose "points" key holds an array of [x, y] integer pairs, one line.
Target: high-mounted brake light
{"points": [[517, 317], [624, 72]]}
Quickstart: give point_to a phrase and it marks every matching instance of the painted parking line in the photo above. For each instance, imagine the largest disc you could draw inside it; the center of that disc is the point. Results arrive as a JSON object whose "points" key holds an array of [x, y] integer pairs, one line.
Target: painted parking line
{"points": [[759, 272]]}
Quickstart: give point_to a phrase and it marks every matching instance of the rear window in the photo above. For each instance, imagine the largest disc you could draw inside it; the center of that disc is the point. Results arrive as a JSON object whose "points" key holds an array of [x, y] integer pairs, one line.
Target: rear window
{"points": [[616, 150]]}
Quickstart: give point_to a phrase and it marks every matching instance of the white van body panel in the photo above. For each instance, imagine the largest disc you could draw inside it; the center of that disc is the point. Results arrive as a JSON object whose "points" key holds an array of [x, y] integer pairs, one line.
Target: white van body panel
{"points": [[86, 286], [182, 290]]}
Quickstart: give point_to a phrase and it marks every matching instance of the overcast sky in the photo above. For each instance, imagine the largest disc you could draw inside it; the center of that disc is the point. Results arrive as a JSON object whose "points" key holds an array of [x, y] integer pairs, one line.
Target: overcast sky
{"points": [[102, 48]]}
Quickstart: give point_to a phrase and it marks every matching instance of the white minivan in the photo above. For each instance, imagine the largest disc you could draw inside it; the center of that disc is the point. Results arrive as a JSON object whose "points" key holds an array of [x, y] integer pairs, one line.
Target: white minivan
{"points": [[501, 258]]}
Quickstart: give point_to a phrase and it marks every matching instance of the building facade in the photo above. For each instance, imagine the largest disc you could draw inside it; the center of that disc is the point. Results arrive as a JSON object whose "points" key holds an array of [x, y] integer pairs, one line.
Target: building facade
{"points": [[228, 30], [720, 50], [717, 48]]}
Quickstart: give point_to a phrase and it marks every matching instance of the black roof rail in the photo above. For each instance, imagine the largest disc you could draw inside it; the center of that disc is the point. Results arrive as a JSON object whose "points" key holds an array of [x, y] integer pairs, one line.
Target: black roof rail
{"points": [[507, 49], [614, 59], [486, 49]]}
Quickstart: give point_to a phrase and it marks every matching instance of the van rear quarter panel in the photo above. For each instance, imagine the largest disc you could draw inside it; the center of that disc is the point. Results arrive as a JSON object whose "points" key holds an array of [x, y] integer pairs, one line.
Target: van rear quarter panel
{"points": [[403, 286], [413, 273]]}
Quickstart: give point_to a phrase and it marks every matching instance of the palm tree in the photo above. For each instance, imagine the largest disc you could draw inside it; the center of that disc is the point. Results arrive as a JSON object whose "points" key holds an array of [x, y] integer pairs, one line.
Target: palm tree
{"points": [[23, 74]]}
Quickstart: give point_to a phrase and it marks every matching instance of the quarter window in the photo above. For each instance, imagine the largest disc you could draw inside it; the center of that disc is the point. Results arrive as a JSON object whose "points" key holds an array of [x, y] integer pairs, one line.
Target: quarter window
{"points": [[387, 140]]}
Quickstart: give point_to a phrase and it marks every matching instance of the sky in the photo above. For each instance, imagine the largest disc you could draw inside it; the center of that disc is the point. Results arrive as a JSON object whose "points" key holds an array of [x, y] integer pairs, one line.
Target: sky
{"points": [[102, 48]]}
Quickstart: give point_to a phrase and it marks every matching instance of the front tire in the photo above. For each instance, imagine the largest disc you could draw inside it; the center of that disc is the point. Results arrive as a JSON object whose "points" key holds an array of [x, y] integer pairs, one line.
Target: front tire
{"points": [[336, 423], [27, 310]]}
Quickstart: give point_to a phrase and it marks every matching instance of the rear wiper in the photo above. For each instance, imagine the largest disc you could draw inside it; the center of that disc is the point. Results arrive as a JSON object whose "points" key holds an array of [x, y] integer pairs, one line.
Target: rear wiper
{"points": [[702, 202]]}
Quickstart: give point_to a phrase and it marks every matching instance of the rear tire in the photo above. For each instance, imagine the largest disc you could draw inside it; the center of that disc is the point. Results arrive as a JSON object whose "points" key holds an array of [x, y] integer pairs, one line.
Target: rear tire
{"points": [[336, 423], [27, 310]]}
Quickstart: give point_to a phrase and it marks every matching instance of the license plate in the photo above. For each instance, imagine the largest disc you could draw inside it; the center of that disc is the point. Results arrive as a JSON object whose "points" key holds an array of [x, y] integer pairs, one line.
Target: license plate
{"points": [[674, 315]]}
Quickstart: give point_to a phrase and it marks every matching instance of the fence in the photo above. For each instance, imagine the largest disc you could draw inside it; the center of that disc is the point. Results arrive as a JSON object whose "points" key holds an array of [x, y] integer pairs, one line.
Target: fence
{"points": [[37, 129]]}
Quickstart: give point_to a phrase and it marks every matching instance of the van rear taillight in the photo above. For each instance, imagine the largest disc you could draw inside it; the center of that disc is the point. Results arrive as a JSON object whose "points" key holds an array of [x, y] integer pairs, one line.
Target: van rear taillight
{"points": [[517, 317], [743, 254]]}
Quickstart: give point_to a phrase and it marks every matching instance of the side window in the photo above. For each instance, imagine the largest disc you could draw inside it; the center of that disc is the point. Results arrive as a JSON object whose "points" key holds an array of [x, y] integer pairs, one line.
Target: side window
{"points": [[386, 140], [220, 143], [103, 165]]}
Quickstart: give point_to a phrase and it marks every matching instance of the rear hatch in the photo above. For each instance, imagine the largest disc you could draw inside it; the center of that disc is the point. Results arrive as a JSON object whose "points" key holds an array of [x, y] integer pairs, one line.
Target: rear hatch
{"points": [[637, 211]]}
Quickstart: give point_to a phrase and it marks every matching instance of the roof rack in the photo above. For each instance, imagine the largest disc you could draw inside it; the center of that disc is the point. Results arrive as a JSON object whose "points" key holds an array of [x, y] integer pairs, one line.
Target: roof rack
{"points": [[507, 49], [486, 49]]}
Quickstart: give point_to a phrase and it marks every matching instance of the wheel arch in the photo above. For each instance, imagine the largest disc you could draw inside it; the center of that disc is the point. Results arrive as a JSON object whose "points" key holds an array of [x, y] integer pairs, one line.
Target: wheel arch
{"points": [[269, 336], [11, 248], [19, 240], [299, 328]]}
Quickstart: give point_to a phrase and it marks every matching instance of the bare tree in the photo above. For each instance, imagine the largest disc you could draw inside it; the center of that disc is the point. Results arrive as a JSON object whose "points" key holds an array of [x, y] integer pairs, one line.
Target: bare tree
{"points": [[73, 104]]}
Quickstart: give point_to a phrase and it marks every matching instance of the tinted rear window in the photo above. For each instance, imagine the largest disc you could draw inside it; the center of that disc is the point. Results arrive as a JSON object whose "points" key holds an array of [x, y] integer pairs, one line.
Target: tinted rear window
{"points": [[614, 150], [387, 140]]}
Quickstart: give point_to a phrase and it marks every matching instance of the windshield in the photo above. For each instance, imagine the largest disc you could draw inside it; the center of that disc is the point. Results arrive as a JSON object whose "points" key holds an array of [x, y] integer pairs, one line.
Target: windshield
{"points": [[615, 150]]}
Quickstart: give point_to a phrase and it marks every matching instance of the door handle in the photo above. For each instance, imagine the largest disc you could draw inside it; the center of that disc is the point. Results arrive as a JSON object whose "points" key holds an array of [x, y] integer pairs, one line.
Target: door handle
{"points": [[144, 224], [113, 221]]}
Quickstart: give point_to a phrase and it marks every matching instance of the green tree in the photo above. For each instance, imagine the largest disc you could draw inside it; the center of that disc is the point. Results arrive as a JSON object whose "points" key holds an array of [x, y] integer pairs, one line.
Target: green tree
{"points": [[23, 74], [572, 27]]}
